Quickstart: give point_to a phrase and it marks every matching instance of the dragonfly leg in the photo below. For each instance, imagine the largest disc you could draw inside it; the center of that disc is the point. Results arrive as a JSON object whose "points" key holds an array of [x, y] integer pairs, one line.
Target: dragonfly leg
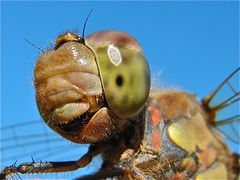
{"points": [[49, 167], [117, 173], [124, 170]]}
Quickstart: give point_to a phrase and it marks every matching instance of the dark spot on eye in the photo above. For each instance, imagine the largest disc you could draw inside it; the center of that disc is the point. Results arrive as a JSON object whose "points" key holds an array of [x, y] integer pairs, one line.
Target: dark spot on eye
{"points": [[119, 80]]}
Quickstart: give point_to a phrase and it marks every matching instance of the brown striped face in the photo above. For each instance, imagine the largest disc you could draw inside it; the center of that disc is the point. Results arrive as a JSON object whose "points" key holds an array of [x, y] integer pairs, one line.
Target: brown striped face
{"points": [[85, 89]]}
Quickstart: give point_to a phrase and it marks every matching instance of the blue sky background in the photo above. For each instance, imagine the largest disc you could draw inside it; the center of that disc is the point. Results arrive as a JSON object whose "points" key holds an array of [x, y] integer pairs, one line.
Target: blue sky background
{"points": [[189, 45]]}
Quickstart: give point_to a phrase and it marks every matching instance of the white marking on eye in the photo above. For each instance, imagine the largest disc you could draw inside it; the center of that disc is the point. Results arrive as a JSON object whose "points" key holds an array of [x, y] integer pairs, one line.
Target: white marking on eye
{"points": [[114, 55]]}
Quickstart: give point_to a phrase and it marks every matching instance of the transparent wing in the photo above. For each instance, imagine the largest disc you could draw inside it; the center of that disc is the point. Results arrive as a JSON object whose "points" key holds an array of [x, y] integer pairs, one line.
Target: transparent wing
{"points": [[35, 141], [223, 107]]}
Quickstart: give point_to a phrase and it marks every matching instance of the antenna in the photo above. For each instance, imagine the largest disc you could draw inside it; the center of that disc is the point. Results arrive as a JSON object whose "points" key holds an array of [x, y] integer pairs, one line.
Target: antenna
{"points": [[34, 45], [85, 23]]}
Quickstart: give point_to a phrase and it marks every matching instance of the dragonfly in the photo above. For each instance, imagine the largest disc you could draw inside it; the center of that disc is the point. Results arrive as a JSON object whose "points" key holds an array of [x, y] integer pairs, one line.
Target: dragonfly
{"points": [[96, 90]]}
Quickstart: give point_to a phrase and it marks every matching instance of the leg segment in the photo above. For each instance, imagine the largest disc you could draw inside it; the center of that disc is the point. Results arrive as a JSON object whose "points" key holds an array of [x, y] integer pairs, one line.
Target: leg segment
{"points": [[49, 167]]}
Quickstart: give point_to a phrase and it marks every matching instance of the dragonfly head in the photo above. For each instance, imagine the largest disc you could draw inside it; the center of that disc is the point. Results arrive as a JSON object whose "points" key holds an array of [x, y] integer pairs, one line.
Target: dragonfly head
{"points": [[87, 88]]}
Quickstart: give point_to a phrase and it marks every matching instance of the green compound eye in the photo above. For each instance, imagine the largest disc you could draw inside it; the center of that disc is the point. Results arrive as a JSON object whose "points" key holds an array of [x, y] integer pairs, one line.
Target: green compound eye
{"points": [[123, 69]]}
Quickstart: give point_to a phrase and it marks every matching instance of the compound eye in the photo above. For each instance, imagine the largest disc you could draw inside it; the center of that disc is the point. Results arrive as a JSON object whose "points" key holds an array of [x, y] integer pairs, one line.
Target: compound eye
{"points": [[123, 69], [67, 37], [126, 85]]}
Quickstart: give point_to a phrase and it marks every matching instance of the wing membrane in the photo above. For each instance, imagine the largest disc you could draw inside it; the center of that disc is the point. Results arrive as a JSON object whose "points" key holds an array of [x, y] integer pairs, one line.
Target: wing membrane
{"points": [[223, 107], [34, 141]]}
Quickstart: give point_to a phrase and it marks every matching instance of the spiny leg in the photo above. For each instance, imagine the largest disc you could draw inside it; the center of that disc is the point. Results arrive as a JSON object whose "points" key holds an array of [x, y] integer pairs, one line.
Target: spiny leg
{"points": [[49, 167], [121, 170]]}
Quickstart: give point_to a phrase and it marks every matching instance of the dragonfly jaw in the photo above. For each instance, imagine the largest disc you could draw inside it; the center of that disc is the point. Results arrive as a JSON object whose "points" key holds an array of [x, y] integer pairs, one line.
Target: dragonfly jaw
{"points": [[76, 123], [90, 127], [69, 112], [78, 113]]}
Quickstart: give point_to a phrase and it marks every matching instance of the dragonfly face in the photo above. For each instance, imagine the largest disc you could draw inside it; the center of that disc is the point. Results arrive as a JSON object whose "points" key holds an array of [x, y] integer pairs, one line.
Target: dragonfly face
{"points": [[85, 89], [96, 90]]}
